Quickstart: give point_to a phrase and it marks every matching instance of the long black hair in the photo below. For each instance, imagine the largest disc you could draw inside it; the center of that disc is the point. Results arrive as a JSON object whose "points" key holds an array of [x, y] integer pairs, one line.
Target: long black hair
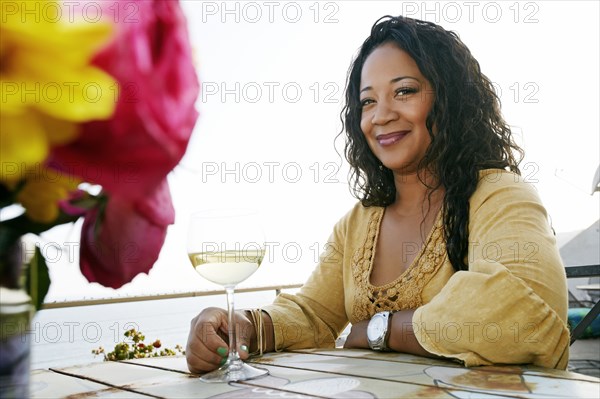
{"points": [[470, 132]]}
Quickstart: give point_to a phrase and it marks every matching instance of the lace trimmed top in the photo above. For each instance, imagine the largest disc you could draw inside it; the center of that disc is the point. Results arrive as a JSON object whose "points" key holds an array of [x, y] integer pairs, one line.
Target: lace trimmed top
{"points": [[405, 292]]}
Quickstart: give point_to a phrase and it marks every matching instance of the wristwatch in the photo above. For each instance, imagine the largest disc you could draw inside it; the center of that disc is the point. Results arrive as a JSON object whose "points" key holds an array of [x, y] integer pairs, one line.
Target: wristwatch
{"points": [[378, 330]]}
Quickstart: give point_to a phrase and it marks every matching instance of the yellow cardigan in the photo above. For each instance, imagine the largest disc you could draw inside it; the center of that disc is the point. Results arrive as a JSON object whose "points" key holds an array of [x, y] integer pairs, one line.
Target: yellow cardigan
{"points": [[510, 307]]}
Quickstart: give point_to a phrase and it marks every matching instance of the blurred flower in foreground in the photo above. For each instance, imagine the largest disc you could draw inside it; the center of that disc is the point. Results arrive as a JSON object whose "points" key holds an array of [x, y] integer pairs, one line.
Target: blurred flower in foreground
{"points": [[124, 239], [133, 151], [109, 103], [41, 197], [44, 68]]}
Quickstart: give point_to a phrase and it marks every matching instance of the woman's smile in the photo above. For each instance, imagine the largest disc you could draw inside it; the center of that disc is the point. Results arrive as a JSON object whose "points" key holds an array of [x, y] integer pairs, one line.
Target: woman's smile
{"points": [[391, 138]]}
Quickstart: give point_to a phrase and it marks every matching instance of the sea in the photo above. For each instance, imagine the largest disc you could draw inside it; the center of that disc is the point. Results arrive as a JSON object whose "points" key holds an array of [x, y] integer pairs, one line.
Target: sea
{"points": [[65, 337]]}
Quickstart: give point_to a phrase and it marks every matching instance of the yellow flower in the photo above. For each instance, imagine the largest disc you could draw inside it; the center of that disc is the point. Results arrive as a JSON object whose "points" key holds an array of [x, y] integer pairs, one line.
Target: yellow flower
{"points": [[25, 142], [48, 85], [40, 195]]}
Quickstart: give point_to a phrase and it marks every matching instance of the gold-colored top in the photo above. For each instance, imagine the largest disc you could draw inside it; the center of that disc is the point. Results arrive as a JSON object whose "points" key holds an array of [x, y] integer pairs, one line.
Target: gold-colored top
{"points": [[405, 291], [510, 307]]}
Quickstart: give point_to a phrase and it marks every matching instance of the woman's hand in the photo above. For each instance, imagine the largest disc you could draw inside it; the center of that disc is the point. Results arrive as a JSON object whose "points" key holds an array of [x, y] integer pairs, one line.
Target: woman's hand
{"points": [[208, 343], [357, 339]]}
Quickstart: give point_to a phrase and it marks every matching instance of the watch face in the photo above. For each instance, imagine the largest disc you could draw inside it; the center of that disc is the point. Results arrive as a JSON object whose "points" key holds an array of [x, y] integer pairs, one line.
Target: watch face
{"points": [[376, 327]]}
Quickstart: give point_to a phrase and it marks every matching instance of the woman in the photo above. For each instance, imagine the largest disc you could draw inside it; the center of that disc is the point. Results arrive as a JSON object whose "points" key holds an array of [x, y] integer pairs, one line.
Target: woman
{"points": [[448, 253]]}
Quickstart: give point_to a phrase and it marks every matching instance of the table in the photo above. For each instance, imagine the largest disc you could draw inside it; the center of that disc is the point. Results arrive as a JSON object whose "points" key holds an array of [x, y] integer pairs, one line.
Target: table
{"points": [[334, 373]]}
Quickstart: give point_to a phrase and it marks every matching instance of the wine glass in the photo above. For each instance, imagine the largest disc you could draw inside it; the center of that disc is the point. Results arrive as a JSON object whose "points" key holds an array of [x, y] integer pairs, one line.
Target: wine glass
{"points": [[226, 247]]}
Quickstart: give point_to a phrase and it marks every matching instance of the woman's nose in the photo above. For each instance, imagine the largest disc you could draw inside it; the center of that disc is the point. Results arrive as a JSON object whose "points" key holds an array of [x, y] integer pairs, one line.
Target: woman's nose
{"points": [[384, 113]]}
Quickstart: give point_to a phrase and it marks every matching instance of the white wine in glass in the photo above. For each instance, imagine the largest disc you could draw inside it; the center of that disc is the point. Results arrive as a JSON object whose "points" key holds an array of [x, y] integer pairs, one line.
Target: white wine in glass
{"points": [[228, 267], [226, 247]]}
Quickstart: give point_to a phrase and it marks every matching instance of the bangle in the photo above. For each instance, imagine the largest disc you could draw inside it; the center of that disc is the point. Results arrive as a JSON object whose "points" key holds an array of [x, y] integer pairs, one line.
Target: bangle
{"points": [[257, 321]]}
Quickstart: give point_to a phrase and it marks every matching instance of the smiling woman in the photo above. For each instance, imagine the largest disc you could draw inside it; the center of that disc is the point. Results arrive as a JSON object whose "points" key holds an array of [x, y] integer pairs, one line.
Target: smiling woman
{"points": [[424, 263], [394, 90], [272, 85]]}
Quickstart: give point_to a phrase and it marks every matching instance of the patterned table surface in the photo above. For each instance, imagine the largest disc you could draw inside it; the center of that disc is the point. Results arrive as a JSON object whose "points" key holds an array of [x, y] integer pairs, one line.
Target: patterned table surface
{"points": [[336, 373]]}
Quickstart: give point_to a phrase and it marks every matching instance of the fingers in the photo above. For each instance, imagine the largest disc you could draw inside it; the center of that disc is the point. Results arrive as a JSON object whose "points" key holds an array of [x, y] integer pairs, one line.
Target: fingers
{"points": [[245, 334], [206, 349]]}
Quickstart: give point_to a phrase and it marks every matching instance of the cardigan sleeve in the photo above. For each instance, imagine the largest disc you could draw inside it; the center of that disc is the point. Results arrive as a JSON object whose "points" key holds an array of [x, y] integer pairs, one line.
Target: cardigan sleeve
{"points": [[511, 305], [315, 316]]}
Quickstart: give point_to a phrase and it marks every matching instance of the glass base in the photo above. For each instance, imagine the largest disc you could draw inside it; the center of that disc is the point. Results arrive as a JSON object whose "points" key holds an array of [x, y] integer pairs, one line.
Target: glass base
{"points": [[234, 371]]}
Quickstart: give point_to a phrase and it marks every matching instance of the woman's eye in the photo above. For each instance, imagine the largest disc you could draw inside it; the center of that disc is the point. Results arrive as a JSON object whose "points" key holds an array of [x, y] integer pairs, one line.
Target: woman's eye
{"points": [[366, 102], [405, 90]]}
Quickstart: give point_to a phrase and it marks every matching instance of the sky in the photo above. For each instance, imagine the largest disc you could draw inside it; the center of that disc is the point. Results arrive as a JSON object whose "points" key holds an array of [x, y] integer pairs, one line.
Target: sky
{"points": [[272, 77]]}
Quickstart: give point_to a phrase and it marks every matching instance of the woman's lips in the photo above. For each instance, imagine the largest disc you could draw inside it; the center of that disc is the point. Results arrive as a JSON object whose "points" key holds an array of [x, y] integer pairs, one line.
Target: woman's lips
{"points": [[391, 138]]}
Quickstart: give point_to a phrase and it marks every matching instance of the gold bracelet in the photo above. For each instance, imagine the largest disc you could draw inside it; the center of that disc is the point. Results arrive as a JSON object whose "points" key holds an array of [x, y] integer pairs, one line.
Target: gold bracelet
{"points": [[256, 315]]}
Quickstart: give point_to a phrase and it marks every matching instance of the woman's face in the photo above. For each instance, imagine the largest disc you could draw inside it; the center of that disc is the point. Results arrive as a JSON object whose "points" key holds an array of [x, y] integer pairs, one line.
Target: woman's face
{"points": [[395, 99]]}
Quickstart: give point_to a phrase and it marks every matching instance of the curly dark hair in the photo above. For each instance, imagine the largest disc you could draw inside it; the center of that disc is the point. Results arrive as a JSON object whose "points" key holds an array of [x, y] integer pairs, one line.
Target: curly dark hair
{"points": [[470, 132]]}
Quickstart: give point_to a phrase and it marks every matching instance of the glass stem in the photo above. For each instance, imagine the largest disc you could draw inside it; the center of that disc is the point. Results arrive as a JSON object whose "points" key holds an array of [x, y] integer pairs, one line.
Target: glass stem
{"points": [[233, 353]]}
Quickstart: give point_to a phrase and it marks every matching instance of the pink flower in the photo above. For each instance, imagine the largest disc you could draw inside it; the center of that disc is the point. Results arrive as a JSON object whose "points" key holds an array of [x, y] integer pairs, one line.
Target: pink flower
{"points": [[130, 154], [124, 238], [150, 57]]}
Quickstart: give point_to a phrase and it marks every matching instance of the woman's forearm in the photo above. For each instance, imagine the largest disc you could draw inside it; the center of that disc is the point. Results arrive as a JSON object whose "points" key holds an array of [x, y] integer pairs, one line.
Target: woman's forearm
{"points": [[402, 336]]}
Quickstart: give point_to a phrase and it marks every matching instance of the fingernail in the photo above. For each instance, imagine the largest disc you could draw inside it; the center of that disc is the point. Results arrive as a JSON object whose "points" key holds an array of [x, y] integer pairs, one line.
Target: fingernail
{"points": [[244, 348], [222, 351], [222, 361]]}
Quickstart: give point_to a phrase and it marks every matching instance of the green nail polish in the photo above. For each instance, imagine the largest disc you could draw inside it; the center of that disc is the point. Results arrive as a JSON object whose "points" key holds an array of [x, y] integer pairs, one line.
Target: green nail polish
{"points": [[222, 351], [222, 361], [244, 348]]}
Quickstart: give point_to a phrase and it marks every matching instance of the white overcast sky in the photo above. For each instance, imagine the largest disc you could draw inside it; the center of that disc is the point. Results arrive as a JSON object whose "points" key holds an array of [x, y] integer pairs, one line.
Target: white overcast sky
{"points": [[273, 76]]}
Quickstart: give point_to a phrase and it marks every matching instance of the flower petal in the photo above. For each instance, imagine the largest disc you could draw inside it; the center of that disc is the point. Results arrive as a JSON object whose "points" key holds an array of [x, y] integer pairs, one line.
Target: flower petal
{"points": [[148, 134], [123, 242], [47, 82], [23, 145]]}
